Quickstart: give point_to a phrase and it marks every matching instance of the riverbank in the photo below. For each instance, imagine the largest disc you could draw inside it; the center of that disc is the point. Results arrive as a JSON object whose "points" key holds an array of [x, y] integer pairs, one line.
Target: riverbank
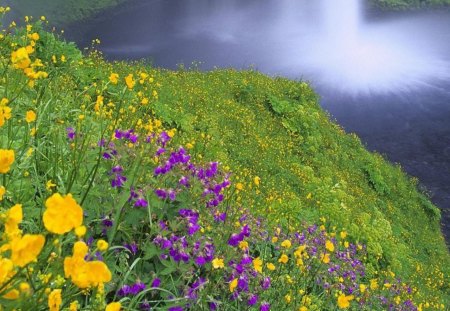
{"points": [[408, 5], [62, 13]]}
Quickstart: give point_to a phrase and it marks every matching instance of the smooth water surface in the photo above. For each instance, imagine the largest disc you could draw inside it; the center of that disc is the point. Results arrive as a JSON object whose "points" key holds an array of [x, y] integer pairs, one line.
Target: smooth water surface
{"points": [[387, 79]]}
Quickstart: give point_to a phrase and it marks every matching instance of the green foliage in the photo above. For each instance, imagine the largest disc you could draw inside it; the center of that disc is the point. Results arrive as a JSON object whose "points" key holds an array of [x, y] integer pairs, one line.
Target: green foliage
{"points": [[63, 12], [291, 166], [408, 4]]}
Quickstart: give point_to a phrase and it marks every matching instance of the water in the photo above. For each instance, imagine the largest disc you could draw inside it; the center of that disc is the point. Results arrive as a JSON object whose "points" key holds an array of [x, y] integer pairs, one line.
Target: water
{"points": [[387, 79]]}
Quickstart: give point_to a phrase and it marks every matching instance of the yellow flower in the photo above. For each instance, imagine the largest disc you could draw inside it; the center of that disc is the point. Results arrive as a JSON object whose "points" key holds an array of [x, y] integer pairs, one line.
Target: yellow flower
{"points": [[257, 180], [343, 234], [243, 245], [239, 186], [80, 231], [218, 263], [12, 294], [362, 288], [329, 246], [171, 133], [102, 245], [24, 287], [6, 267], [62, 214], [34, 36], [5, 114], [373, 284], [288, 298], [24, 250], [129, 80], [73, 306], [85, 274], [325, 258], [2, 192], [283, 259], [257, 264], [49, 185], [4, 101], [30, 116], [271, 266], [233, 285], [13, 218], [303, 308], [20, 58], [54, 300], [114, 78], [344, 301], [113, 306], [274, 239], [286, 244], [6, 159], [98, 103]]}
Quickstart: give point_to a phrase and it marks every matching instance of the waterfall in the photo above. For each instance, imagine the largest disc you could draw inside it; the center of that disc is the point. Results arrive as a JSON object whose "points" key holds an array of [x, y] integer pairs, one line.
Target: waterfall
{"points": [[341, 20]]}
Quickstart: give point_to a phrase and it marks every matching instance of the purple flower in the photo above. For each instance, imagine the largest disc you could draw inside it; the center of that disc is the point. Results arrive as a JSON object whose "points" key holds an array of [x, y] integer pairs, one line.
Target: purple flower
{"points": [[70, 133], [184, 181], [245, 231], [133, 138], [163, 225], [200, 261], [163, 138], [161, 193], [212, 306], [156, 282], [133, 248], [193, 227], [118, 181], [235, 239], [106, 222], [243, 283], [172, 195], [265, 284], [252, 300], [160, 151], [107, 156], [131, 290], [177, 308], [118, 134], [220, 217], [265, 306], [141, 202]]}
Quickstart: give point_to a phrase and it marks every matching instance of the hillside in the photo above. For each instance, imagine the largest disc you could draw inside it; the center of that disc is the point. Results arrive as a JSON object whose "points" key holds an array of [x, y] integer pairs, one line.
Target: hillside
{"points": [[63, 12], [99, 134], [409, 4]]}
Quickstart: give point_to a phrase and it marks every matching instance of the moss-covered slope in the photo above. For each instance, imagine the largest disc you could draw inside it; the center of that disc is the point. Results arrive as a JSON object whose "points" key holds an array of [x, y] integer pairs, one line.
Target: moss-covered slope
{"points": [[409, 4], [273, 129]]}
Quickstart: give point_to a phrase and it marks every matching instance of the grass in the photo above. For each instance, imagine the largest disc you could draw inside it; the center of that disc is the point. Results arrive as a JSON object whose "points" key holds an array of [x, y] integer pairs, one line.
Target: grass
{"points": [[286, 173], [63, 12]]}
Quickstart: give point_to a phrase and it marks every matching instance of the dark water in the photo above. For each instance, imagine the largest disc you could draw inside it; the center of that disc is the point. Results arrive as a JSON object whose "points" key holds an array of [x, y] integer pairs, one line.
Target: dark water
{"points": [[386, 79]]}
